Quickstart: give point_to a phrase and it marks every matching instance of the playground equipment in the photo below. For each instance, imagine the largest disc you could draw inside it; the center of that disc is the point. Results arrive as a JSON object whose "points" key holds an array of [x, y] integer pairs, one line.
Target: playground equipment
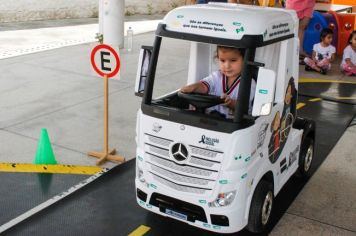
{"points": [[341, 23], [312, 32]]}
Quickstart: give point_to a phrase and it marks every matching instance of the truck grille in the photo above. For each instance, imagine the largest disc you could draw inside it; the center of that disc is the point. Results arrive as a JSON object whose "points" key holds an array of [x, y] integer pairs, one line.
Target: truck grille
{"points": [[185, 169], [198, 175], [160, 151], [204, 152], [180, 178], [201, 162], [178, 187], [158, 140]]}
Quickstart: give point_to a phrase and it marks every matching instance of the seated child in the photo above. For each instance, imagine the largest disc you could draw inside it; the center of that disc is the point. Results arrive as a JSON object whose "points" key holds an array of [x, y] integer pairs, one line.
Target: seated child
{"points": [[323, 53], [348, 64], [225, 82]]}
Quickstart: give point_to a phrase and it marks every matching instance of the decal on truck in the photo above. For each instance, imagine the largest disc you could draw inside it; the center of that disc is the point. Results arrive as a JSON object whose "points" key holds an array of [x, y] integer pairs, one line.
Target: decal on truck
{"points": [[281, 124], [208, 140], [205, 25], [279, 29], [283, 165], [156, 127], [262, 135], [293, 156]]}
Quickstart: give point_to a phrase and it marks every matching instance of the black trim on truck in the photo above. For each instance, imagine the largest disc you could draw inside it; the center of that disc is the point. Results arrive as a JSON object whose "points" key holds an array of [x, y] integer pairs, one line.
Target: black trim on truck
{"points": [[307, 125], [193, 118], [193, 212]]}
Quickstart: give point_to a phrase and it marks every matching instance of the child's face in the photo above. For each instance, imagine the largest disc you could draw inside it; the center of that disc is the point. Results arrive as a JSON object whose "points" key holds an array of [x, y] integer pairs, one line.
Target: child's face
{"points": [[288, 97], [353, 41], [328, 39], [277, 122], [230, 62]]}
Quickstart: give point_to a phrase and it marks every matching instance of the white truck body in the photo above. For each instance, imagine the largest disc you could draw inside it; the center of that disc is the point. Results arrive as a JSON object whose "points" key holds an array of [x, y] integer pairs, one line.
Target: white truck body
{"points": [[185, 171]]}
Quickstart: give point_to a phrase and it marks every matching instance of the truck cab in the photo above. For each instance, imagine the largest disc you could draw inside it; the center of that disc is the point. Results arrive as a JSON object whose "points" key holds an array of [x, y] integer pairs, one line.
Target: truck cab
{"points": [[216, 173]]}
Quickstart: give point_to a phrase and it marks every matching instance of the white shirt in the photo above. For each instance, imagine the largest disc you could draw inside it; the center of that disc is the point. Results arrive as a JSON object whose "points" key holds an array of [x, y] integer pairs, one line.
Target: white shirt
{"points": [[323, 52], [349, 53], [216, 83]]}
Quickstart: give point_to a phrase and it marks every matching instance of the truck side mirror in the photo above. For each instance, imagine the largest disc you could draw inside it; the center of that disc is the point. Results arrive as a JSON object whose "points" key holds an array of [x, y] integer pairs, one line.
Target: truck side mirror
{"points": [[265, 91], [142, 69]]}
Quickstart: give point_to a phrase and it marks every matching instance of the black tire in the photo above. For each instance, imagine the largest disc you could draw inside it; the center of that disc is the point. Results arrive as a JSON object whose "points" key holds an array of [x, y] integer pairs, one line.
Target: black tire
{"points": [[306, 156], [261, 206]]}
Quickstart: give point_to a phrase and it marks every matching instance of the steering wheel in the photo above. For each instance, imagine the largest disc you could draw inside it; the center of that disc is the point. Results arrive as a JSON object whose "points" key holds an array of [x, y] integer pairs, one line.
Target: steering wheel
{"points": [[201, 101]]}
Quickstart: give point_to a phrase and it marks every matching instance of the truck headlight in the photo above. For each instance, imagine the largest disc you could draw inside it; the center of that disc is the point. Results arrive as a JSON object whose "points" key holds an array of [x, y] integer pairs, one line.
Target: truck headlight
{"points": [[140, 175], [223, 199]]}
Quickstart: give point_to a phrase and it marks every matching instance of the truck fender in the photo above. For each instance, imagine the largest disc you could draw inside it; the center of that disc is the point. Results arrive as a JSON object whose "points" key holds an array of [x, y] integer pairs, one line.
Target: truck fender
{"points": [[269, 176], [307, 125]]}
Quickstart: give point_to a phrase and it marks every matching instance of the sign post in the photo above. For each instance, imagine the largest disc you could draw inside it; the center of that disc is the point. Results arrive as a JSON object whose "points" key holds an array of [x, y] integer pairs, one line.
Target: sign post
{"points": [[106, 52]]}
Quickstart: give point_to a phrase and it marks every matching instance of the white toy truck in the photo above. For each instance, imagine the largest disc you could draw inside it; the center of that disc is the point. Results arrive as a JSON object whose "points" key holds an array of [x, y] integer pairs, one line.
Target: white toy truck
{"points": [[211, 172]]}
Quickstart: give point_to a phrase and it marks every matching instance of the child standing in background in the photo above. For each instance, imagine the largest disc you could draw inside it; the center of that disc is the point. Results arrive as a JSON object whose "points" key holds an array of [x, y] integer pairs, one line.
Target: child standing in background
{"points": [[348, 64], [323, 53], [304, 10]]}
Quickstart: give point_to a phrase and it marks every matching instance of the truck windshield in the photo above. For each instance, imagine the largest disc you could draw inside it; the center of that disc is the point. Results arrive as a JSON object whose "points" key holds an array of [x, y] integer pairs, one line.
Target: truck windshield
{"points": [[172, 67], [181, 63], [208, 81]]}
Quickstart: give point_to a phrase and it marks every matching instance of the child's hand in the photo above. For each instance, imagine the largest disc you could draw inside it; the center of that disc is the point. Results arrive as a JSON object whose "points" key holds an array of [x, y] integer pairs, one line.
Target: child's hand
{"points": [[187, 89], [230, 103], [198, 87]]}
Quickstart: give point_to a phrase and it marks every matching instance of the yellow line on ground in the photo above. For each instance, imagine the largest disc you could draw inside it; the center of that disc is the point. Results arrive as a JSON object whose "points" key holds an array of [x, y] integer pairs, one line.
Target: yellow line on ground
{"points": [[300, 105], [314, 100], [311, 80], [54, 169], [346, 98], [140, 231]]}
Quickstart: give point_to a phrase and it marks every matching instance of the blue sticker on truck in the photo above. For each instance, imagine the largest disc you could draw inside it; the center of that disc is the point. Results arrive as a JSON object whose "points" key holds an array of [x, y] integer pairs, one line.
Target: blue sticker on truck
{"points": [[176, 214], [263, 91]]}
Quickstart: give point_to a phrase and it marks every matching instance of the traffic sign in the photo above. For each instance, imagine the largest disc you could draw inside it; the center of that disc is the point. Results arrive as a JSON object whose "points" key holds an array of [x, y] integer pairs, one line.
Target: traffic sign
{"points": [[107, 58]]}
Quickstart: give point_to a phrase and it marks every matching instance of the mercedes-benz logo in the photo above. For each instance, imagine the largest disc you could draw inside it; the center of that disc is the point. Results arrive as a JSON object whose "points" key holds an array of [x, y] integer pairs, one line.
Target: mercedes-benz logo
{"points": [[179, 151]]}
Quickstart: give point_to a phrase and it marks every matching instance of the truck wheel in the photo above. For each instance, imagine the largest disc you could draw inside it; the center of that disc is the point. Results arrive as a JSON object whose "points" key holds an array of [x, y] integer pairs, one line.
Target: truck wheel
{"points": [[261, 207], [306, 157]]}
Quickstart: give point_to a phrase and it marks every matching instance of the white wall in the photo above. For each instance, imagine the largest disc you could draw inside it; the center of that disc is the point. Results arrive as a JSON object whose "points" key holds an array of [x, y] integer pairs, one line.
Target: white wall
{"points": [[151, 6], [25, 10]]}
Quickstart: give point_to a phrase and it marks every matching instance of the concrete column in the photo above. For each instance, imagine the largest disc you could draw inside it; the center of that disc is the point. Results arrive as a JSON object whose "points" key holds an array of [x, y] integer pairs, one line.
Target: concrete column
{"points": [[111, 21]]}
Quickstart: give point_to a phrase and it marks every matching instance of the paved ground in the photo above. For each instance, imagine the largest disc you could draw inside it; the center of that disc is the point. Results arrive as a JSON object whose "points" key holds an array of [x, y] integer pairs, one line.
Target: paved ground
{"points": [[29, 37], [57, 90]]}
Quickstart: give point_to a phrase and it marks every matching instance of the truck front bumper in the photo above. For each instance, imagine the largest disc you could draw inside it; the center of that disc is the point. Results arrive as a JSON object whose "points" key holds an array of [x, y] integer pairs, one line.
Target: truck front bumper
{"points": [[191, 210]]}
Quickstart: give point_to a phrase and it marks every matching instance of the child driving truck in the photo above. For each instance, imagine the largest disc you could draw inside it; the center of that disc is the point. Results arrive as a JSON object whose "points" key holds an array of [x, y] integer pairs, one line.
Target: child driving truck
{"points": [[224, 82]]}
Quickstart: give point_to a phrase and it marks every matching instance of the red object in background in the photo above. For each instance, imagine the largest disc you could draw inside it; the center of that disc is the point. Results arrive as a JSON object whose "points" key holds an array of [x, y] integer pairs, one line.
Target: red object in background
{"points": [[346, 24]]}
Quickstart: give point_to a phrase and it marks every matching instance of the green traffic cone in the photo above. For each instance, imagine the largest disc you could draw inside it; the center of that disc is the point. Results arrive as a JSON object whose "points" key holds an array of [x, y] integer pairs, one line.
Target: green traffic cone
{"points": [[44, 154]]}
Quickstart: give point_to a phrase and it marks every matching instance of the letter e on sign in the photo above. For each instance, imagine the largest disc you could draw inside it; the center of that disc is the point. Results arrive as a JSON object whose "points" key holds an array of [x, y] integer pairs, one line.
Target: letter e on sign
{"points": [[105, 60]]}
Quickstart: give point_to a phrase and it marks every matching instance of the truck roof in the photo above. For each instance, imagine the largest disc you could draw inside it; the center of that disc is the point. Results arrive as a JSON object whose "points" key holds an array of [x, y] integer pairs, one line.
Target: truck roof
{"points": [[237, 22]]}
